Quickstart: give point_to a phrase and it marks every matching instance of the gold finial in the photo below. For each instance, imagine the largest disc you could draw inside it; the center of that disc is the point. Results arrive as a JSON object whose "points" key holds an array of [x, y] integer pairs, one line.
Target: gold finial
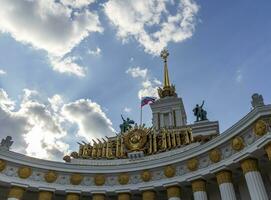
{"points": [[164, 54]]}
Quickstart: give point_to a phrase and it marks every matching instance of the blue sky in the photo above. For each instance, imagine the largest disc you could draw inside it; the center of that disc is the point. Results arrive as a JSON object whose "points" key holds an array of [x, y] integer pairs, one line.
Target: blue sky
{"points": [[67, 76]]}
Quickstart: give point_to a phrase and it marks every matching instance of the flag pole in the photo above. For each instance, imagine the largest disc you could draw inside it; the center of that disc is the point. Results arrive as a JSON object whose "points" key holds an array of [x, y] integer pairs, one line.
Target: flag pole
{"points": [[140, 112]]}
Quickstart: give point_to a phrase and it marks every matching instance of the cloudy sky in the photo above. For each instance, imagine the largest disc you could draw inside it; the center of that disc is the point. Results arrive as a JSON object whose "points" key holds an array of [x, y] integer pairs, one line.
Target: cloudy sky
{"points": [[70, 68]]}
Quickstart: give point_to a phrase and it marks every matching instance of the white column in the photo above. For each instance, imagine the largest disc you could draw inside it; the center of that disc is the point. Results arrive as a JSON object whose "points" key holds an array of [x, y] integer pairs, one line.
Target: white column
{"points": [[254, 179], [199, 189], [224, 179], [174, 193], [15, 193]]}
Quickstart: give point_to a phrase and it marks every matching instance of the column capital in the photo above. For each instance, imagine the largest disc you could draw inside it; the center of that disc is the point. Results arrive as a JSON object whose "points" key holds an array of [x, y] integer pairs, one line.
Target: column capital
{"points": [[173, 191], [72, 196], [198, 185], [124, 196], [98, 196], [249, 165], [267, 148], [16, 192], [45, 195], [224, 176], [148, 195]]}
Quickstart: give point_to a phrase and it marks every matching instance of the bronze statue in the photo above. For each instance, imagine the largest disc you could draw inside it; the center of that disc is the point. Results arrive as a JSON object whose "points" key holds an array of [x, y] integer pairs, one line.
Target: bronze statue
{"points": [[200, 113], [126, 124]]}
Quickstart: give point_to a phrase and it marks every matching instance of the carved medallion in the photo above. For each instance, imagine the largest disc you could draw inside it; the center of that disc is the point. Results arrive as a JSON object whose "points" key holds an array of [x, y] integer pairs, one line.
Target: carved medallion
{"points": [[123, 178], [135, 139], [146, 176], [193, 164], [169, 171], [50, 176], [24, 172], [99, 179], [215, 155], [237, 143], [76, 179], [260, 128]]}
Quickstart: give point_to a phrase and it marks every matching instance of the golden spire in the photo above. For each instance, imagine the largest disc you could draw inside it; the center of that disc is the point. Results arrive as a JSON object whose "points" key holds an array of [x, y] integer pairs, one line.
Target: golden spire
{"points": [[164, 54], [167, 90]]}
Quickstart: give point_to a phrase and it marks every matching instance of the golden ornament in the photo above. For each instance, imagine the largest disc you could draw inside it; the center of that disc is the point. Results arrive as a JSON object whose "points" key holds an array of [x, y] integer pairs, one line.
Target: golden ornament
{"points": [[173, 191], [215, 155], [148, 195], [192, 164], [224, 177], [98, 197], [99, 179], [198, 185], [73, 196], [237, 143], [268, 150], [50, 176], [260, 128], [16, 192], [24, 172], [3, 165], [45, 195], [136, 139], [249, 165], [146, 176], [123, 178], [76, 179], [169, 171]]}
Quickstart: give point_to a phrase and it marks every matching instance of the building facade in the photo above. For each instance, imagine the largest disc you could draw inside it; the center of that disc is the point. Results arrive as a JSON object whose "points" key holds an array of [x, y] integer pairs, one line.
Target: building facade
{"points": [[171, 160]]}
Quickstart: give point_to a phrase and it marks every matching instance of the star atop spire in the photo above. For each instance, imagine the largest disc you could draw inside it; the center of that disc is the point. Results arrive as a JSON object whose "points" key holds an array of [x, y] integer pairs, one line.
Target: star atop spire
{"points": [[164, 54]]}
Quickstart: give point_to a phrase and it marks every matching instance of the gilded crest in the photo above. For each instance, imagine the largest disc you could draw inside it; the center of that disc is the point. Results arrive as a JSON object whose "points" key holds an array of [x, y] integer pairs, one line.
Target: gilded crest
{"points": [[136, 139], [260, 128]]}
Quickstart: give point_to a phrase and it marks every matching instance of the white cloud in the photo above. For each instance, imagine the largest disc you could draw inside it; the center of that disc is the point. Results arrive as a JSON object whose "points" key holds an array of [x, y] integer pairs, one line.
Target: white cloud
{"points": [[151, 23], [41, 127], [137, 72], [91, 120], [149, 84], [77, 3], [95, 52], [127, 110], [51, 26], [239, 76], [2, 72]]}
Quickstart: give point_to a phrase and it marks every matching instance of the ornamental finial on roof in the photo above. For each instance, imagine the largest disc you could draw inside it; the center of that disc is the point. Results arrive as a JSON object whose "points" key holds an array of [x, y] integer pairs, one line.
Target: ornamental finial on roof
{"points": [[164, 54]]}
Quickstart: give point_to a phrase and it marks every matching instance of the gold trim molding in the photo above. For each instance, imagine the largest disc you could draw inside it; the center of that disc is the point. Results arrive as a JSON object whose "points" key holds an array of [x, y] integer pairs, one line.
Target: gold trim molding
{"points": [[199, 185], [224, 177], [215, 155], [24, 172], [237, 143], [249, 165]]}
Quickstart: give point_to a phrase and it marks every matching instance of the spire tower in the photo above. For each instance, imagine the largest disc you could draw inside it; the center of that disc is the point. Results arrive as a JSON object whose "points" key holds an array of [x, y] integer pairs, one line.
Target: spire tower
{"points": [[168, 89]]}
